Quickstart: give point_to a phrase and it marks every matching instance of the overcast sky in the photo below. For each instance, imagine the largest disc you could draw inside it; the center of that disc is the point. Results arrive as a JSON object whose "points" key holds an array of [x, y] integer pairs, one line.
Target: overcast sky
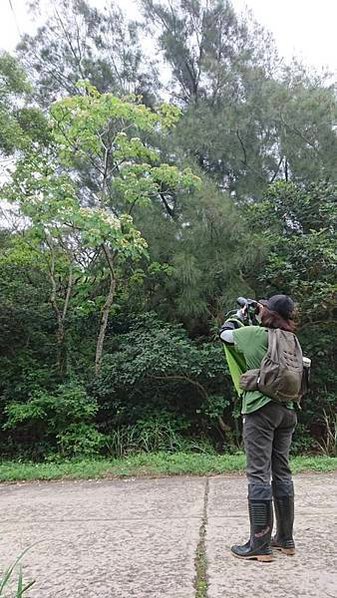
{"points": [[304, 28]]}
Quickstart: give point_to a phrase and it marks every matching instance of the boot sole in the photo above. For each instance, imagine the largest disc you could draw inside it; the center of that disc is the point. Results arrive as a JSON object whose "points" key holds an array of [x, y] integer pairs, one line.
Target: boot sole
{"points": [[287, 551], [262, 558]]}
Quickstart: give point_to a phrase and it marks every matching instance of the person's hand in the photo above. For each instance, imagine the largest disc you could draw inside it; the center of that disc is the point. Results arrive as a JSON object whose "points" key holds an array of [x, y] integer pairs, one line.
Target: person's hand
{"points": [[242, 313]]}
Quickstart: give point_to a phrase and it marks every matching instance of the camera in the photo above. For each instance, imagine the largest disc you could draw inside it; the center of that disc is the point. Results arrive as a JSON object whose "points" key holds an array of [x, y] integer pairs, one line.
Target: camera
{"points": [[251, 311], [252, 305]]}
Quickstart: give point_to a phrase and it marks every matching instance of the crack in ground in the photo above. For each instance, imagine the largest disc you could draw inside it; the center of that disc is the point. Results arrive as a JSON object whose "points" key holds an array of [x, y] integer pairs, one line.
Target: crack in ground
{"points": [[200, 561]]}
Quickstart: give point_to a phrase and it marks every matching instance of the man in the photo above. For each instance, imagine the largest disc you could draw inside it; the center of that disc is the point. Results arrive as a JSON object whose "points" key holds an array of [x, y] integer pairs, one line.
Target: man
{"points": [[267, 432]]}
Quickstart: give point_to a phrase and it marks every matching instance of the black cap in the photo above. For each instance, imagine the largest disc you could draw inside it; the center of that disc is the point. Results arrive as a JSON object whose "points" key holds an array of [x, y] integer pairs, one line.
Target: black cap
{"points": [[281, 304]]}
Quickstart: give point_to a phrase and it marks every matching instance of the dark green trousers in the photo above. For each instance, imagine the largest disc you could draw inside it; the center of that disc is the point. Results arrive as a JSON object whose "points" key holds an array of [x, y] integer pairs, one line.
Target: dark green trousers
{"points": [[267, 435]]}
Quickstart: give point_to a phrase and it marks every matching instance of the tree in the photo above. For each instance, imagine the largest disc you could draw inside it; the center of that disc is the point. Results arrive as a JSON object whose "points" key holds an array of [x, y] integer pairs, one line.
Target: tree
{"points": [[66, 236], [20, 122], [207, 47], [78, 41], [299, 227], [248, 119], [205, 252], [123, 207], [98, 132], [115, 170]]}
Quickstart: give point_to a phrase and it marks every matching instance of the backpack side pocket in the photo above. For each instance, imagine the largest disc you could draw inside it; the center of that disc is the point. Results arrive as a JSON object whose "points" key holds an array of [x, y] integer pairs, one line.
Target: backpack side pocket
{"points": [[250, 380]]}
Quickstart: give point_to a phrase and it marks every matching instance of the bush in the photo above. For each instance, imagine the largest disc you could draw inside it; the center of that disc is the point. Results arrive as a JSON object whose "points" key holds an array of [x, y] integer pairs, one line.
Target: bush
{"points": [[158, 372], [158, 432], [60, 422], [80, 440], [158, 390], [302, 441]]}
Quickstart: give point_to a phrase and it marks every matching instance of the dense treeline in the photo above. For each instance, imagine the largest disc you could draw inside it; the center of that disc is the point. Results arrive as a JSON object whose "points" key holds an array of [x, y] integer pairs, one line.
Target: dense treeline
{"points": [[153, 171]]}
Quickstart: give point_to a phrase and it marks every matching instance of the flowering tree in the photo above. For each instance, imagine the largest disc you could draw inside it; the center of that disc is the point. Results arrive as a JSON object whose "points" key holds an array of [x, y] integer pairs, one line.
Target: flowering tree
{"points": [[78, 193]]}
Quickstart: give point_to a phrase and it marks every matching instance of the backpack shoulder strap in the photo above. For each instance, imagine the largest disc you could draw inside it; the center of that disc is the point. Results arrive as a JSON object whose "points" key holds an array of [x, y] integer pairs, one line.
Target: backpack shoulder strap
{"points": [[298, 345], [272, 343]]}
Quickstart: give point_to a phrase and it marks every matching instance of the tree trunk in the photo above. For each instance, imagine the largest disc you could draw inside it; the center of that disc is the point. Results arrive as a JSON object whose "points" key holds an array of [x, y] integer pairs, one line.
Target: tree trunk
{"points": [[62, 357], [106, 309]]}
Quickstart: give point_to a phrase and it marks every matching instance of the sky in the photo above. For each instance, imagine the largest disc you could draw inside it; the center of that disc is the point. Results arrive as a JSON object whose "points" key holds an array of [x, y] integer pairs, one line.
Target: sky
{"points": [[302, 28]]}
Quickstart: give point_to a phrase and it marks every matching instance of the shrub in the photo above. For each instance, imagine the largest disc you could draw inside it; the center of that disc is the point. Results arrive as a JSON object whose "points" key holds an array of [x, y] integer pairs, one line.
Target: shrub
{"points": [[59, 422], [157, 369]]}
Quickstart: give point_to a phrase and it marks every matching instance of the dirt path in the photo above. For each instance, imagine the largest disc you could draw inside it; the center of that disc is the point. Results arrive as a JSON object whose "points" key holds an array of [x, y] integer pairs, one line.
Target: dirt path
{"points": [[140, 538]]}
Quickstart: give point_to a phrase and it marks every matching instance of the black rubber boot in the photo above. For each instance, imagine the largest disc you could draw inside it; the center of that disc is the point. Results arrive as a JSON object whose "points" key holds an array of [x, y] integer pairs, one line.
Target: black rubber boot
{"points": [[261, 524], [284, 512]]}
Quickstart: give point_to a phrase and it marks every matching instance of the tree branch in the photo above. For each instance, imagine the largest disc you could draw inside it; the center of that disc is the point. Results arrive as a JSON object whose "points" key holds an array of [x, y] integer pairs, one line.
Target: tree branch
{"points": [[244, 161], [186, 379], [277, 171]]}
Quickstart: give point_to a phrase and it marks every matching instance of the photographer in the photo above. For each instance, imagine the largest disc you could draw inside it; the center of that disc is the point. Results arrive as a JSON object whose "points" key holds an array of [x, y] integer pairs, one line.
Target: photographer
{"points": [[268, 427]]}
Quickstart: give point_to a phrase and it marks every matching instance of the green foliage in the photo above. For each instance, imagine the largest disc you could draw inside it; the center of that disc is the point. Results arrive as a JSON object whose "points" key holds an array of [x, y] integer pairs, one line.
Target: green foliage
{"points": [[248, 119], [80, 439], [298, 225], [101, 130], [328, 443], [91, 133], [60, 421], [303, 442], [134, 224], [159, 431], [102, 47], [13, 87], [158, 375]]}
